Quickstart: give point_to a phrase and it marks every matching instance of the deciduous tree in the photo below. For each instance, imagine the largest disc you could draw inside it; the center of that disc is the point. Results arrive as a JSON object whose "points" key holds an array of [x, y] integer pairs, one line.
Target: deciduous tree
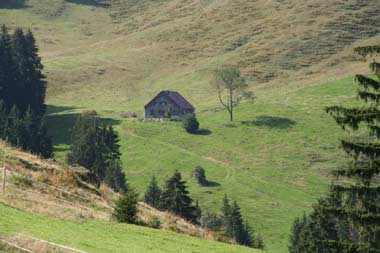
{"points": [[232, 88]]}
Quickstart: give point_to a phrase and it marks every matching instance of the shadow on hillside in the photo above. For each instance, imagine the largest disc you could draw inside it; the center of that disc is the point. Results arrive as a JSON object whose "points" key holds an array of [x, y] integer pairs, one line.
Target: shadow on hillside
{"points": [[203, 132], [211, 184], [96, 3], [60, 121], [12, 4], [52, 109], [270, 121]]}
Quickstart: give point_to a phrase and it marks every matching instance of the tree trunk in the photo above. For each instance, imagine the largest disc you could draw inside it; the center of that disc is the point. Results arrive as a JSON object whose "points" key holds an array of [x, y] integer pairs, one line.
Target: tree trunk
{"points": [[231, 106]]}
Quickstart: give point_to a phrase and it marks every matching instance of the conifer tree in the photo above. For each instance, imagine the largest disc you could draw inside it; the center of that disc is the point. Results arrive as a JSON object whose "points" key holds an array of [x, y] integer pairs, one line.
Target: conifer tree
{"points": [[43, 143], [360, 193], [114, 176], [153, 193], [36, 78], [175, 197], [8, 68], [84, 141], [349, 219], [3, 119], [127, 207], [227, 216], [22, 90], [96, 148]]}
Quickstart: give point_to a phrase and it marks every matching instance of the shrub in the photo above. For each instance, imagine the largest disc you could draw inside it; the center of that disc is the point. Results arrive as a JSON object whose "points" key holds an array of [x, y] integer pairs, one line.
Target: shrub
{"points": [[190, 123], [21, 180], [211, 221], [126, 207], [154, 222], [200, 174]]}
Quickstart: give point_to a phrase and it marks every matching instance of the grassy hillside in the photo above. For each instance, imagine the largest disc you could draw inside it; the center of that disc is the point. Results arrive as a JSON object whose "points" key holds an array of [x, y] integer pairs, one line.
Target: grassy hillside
{"points": [[101, 236], [48, 201], [276, 157]]}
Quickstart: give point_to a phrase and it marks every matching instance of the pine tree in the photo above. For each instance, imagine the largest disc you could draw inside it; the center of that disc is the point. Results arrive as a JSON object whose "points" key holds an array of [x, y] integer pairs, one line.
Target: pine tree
{"points": [[175, 197], [295, 236], [14, 127], [8, 69], [115, 177], [153, 193], [360, 193], [29, 89], [349, 219], [3, 119], [83, 149], [237, 229], [36, 78], [127, 207], [44, 145], [227, 216], [96, 148]]}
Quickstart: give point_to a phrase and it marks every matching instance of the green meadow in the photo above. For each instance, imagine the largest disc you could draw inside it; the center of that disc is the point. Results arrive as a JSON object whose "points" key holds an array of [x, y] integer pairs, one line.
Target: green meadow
{"points": [[274, 159], [96, 236]]}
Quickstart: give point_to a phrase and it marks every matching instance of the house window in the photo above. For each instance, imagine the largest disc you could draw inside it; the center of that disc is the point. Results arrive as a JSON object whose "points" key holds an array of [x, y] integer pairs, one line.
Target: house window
{"points": [[151, 112], [161, 112], [163, 103]]}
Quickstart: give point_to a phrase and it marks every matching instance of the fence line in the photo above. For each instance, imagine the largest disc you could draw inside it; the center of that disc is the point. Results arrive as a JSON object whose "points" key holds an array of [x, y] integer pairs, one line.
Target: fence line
{"points": [[58, 199], [62, 190], [16, 246], [54, 244]]}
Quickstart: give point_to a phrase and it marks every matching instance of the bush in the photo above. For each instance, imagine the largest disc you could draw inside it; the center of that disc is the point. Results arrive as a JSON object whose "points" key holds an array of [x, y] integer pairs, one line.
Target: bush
{"points": [[126, 207], [190, 123], [200, 174], [211, 221], [154, 222], [21, 180]]}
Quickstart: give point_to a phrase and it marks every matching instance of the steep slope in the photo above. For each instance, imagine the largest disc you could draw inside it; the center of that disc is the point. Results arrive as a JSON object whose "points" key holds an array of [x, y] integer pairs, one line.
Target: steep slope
{"points": [[120, 54], [47, 200], [278, 153]]}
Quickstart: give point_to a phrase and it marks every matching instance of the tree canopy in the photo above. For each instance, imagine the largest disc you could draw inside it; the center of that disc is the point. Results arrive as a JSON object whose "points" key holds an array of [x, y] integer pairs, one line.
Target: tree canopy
{"points": [[22, 93], [348, 220], [232, 88]]}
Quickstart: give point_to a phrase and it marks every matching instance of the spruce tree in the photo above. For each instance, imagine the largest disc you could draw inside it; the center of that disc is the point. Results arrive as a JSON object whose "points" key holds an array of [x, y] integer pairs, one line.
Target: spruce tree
{"points": [[153, 193], [8, 69], [127, 207], [237, 228], [36, 79], [84, 141], [114, 176], [348, 220], [43, 143], [295, 236], [227, 216], [3, 119], [359, 192], [175, 197]]}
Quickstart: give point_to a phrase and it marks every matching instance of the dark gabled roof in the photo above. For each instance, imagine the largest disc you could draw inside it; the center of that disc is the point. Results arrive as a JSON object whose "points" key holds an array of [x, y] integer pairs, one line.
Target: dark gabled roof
{"points": [[177, 98]]}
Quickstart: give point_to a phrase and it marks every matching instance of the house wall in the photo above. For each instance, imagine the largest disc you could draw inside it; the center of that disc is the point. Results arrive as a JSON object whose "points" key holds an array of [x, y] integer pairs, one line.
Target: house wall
{"points": [[161, 105]]}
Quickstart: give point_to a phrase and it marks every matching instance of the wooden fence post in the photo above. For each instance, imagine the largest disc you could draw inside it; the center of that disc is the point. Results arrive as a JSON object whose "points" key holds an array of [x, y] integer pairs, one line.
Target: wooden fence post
{"points": [[4, 177]]}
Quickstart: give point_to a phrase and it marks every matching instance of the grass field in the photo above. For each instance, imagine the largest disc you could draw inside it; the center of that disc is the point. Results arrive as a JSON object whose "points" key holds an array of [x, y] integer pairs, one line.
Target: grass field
{"points": [[96, 236], [275, 158], [276, 155]]}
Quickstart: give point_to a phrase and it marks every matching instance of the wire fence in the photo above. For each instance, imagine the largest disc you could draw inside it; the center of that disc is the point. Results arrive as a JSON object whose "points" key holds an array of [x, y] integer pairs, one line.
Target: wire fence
{"points": [[82, 198]]}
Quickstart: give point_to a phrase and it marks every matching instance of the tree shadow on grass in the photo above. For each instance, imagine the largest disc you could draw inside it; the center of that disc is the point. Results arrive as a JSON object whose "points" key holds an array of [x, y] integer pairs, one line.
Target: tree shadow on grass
{"points": [[61, 120], [12, 4], [270, 121], [96, 3], [211, 184], [203, 132]]}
